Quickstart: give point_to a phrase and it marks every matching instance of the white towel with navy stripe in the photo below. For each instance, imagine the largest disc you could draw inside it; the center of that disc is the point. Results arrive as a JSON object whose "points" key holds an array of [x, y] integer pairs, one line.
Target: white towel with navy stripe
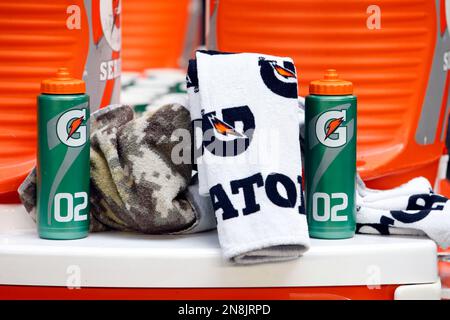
{"points": [[251, 162], [410, 209], [197, 133]]}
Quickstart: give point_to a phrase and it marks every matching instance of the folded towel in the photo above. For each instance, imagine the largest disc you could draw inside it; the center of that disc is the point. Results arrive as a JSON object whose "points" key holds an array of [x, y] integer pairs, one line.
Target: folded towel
{"points": [[410, 209], [135, 186], [255, 186], [197, 133]]}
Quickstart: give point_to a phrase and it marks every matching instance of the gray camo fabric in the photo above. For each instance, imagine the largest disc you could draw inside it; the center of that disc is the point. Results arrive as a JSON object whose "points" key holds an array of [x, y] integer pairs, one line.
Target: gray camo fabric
{"points": [[135, 186]]}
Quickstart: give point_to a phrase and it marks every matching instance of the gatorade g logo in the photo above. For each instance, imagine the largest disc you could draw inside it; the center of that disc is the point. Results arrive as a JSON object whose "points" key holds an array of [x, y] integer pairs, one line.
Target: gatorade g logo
{"points": [[70, 128], [280, 79], [110, 22], [231, 135], [329, 129]]}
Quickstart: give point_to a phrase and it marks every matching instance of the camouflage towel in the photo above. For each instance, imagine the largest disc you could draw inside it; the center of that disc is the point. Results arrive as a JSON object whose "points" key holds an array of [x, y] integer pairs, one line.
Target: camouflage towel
{"points": [[135, 186]]}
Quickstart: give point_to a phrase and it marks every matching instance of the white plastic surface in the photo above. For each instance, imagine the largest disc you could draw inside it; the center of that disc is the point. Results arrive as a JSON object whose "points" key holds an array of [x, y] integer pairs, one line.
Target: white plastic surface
{"points": [[130, 260], [445, 294], [428, 291]]}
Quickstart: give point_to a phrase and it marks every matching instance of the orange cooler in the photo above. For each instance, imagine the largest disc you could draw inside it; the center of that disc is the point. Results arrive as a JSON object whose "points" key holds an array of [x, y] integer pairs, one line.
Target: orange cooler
{"points": [[36, 38], [396, 53], [159, 33]]}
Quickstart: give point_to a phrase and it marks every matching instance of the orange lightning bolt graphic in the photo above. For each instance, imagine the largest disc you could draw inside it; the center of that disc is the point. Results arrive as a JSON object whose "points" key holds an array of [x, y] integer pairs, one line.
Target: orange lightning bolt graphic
{"points": [[75, 125], [333, 125], [116, 14], [283, 71], [224, 128]]}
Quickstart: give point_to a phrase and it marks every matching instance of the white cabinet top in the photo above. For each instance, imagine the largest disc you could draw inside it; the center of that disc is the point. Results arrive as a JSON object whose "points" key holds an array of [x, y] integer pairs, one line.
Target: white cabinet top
{"points": [[112, 259]]}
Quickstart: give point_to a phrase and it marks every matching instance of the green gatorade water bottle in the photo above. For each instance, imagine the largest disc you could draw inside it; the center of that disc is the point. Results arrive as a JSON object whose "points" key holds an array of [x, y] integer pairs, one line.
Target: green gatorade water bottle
{"points": [[63, 158], [330, 156]]}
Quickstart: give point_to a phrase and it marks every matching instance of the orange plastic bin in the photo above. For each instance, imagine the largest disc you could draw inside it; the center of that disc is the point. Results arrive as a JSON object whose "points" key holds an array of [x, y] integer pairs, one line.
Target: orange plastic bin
{"points": [[36, 38], [159, 33], [393, 51]]}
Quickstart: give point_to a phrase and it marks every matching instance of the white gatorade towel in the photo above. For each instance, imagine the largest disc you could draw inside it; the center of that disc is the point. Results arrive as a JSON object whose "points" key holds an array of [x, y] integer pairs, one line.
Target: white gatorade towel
{"points": [[251, 163]]}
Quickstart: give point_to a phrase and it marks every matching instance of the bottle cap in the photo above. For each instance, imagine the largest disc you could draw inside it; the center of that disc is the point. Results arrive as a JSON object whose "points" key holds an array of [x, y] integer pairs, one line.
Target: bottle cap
{"points": [[331, 85], [63, 83]]}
